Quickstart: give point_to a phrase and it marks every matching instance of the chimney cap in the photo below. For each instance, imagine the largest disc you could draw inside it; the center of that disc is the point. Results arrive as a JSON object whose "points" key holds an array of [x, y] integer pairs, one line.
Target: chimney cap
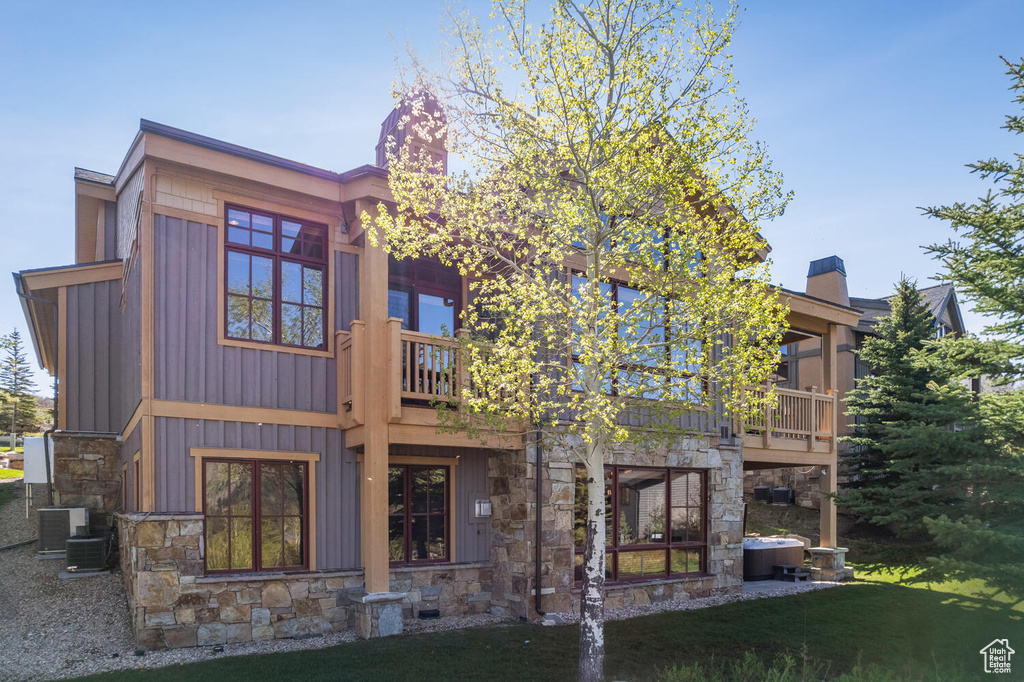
{"points": [[826, 265]]}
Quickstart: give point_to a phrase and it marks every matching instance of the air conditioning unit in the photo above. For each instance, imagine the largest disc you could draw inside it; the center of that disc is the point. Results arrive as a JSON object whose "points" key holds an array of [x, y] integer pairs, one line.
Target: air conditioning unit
{"points": [[57, 524], [782, 495], [86, 554], [762, 493]]}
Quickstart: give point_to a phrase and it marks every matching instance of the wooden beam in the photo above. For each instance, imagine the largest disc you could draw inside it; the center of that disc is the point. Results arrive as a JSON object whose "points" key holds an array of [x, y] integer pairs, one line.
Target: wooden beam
{"points": [[90, 273], [62, 358], [250, 415]]}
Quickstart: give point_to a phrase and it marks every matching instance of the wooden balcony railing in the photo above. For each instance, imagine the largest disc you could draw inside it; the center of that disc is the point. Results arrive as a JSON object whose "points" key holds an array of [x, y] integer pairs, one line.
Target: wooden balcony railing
{"points": [[351, 371], [799, 420], [429, 368]]}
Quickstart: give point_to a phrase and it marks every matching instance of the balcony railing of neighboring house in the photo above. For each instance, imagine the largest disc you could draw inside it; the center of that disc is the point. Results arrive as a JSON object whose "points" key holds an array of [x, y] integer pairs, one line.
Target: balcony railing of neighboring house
{"points": [[797, 421]]}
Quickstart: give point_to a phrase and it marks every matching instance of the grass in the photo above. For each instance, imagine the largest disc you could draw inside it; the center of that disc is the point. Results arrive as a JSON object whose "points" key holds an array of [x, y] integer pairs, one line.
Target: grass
{"points": [[902, 632], [11, 473]]}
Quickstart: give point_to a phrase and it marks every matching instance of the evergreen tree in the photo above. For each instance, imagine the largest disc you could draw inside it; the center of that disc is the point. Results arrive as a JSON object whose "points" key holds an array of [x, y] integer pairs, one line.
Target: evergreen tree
{"points": [[985, 538], [19, 411], [915, 427]]}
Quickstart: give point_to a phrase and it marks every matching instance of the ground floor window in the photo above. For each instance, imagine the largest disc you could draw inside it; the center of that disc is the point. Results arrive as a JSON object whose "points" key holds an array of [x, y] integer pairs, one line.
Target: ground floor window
{"points": [[418, 524], [655, 522], [256, 514]]}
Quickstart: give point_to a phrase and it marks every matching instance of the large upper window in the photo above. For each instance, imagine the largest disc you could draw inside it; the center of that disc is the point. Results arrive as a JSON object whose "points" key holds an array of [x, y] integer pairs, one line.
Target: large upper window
{"points": [[275, 279], [666, 357], [418, 514], [655, 522], [256, 513]]}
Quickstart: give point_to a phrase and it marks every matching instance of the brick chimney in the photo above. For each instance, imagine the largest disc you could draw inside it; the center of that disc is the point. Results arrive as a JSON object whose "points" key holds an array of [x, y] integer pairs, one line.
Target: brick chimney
{"points": [[826, 279], [390, 128]]}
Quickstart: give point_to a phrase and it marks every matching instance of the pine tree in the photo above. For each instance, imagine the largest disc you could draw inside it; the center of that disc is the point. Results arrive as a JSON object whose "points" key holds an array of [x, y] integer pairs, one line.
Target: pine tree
{"points": [[985, 538], [19, 412], [915, 427]]}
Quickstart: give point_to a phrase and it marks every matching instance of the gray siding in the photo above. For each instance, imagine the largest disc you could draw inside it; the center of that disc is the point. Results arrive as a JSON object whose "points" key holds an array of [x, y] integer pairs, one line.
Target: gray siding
{"points": [[337, 476], [189, 363], [346, 289], [129, 446], [129, 391], [92, 386]]}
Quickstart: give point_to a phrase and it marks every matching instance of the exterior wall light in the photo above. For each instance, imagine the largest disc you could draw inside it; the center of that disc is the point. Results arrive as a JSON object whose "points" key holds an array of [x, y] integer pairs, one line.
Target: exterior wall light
{"points": [[483, 509]]}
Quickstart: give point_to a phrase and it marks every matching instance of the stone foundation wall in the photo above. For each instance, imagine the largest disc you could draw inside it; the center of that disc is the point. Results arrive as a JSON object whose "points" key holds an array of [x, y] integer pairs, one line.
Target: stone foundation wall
{"points": [[173, 604], [804, 482], [85, 474], [625, 595], [454, 589]]}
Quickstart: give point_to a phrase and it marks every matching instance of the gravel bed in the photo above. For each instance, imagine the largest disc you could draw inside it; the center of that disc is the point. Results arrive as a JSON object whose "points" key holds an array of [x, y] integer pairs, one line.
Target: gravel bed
{"points": [[703, 603]]}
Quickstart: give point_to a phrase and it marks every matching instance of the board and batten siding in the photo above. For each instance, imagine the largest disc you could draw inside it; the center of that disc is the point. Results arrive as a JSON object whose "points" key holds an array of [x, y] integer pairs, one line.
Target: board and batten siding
{"points": [[131, 444], [90, 397], [129, 390], [191, 366], [337, 474]]}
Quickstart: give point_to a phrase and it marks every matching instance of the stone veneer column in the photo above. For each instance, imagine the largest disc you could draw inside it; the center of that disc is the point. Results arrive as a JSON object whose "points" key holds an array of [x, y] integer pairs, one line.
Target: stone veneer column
{"points": [[829, 563], [85, 474], [378, 614]]}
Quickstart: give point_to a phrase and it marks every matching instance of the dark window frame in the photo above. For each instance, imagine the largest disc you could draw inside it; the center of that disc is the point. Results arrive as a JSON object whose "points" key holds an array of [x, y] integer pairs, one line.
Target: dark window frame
{"points": [[407, 276], [643, 369], [278, 256], [613, 549], [256, 516], [407, 514]]}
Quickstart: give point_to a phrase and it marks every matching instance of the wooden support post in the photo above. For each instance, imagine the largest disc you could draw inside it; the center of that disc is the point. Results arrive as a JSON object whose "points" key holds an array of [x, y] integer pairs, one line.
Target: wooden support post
{"points": [[769, 416], [373, 470]]}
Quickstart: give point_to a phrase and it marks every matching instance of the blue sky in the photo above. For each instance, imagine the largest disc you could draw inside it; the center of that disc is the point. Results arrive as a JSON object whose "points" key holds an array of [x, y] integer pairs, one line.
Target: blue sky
{"points": [[869, 108]]}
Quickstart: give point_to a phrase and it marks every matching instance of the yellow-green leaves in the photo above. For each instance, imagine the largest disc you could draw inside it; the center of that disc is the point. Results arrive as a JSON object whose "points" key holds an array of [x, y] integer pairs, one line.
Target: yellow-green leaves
{"points": [[608, 216]]}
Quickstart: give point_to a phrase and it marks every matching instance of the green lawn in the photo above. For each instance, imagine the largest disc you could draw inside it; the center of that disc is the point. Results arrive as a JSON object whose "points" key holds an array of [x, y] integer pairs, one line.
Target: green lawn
{"points": [[11, 473], [912, 631]]}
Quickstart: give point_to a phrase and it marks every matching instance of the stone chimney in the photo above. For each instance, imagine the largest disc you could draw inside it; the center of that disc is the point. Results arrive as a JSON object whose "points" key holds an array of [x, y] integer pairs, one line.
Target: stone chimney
{"points": [[390, 128], [826, 279]]}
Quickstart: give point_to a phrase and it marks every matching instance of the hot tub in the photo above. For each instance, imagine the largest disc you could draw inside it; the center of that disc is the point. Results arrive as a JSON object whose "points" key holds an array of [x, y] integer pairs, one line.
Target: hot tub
{"points": [[762, 555]]}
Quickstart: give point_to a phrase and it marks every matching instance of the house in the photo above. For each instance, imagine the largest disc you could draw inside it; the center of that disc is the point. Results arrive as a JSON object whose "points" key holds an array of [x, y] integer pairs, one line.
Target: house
{"points": [[242, 386], [800, 367]]}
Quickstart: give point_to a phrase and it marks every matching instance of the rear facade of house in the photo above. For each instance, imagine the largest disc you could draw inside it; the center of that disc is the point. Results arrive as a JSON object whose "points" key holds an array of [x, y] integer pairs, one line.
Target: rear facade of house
{"points": [[244, 386]]}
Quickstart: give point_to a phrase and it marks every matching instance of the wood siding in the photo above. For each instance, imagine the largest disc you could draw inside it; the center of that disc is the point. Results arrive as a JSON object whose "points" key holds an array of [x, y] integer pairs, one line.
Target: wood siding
{"points": [[189, 363], [129, 391], [337, 474], [346, 289], [90, 397], [131, 444]]}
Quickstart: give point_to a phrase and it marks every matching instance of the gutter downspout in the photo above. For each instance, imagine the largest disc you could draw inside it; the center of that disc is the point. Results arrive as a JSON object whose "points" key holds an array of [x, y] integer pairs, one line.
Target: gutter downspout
{"points": [[539, 454], [56, 347]]}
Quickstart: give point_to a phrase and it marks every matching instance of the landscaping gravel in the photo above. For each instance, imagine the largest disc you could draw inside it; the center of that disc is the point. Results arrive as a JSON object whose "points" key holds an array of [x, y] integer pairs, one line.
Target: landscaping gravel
{"points": [[56, 629]]}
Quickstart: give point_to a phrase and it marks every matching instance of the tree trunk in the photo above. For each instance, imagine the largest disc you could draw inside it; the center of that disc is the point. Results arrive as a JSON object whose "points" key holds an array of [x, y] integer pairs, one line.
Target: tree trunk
{"points": [[592, 594]]}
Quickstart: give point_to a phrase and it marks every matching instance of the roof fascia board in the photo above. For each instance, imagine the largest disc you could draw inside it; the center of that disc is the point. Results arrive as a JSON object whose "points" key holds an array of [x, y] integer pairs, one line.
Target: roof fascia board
{"points": [[89, 273]]}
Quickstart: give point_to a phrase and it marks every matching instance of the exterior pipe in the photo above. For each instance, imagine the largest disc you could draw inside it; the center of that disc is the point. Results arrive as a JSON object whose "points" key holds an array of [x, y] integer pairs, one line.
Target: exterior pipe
{"points": [[539, 458]]}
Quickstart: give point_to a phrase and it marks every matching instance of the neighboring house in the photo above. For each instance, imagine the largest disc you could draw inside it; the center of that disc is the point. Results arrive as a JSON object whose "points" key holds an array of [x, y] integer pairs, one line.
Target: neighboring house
{"points": [[801, 362], [246, 379]]}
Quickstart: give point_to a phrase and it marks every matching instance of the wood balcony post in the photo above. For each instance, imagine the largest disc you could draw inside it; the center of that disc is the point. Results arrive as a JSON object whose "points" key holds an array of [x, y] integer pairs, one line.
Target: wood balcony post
{"points": [[357, 371], [394, 378], [812, 439], [769, 418]]}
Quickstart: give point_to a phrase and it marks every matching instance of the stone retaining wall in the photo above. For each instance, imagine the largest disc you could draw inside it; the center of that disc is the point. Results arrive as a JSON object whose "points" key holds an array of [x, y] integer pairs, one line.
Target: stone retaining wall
{"points": [[85, 474], [173, 604], [804, 482]]}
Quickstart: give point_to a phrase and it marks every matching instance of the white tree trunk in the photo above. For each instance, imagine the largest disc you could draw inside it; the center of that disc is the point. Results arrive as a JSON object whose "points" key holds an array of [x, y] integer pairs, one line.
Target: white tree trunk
{"points": [[592, 595]]}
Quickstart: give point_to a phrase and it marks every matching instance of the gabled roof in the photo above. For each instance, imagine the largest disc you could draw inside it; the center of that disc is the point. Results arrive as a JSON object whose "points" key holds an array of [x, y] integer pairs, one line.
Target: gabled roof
{"points": [[936, 299]]}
